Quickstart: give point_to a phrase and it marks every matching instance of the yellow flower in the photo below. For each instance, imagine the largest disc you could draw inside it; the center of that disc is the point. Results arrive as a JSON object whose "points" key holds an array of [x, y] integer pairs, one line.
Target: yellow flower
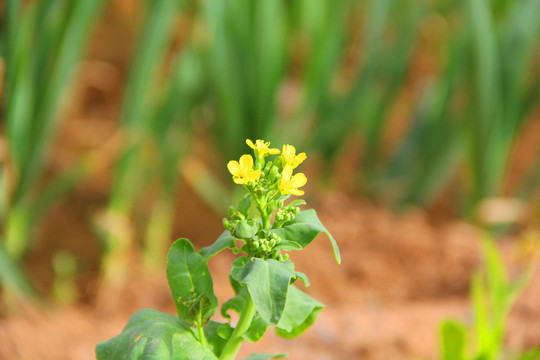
{"points": [[290, 185], [261, 147], [289, 155], [242, 171]]}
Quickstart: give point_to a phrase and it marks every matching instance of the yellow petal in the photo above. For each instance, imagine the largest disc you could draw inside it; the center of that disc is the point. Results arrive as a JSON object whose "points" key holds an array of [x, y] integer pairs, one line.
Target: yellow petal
{"points": [[246, 162], [301, 157], [273, 151], [234, 167], [288, 150], [296, 192], [240, 181], [250, 143], [254, 175], [286, 173], [299, 180]]}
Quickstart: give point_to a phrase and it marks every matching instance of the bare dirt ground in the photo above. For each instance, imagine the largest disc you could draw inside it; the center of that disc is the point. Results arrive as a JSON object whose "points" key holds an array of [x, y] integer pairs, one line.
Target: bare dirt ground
{"points": [[400, 277]]}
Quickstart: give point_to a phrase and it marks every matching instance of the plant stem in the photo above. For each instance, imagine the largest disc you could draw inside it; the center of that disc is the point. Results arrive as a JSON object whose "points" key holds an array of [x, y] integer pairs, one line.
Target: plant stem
{"points": [[235, 341], [200, 329]]}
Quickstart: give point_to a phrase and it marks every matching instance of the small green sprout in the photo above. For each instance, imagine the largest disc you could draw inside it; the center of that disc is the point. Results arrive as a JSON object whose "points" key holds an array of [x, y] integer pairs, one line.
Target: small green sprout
{"points": [[262, 229]]}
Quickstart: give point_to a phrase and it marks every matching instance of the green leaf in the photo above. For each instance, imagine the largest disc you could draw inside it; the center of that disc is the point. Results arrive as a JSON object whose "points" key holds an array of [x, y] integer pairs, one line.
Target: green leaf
{"points": [[244, 205], [304, 228], [151, 334], [303, 277], [246, 229], [300, 313], [256, 330], [267, 282], [214, 331], [224, 241], [190, 282], [453, 340], [266, 356]]}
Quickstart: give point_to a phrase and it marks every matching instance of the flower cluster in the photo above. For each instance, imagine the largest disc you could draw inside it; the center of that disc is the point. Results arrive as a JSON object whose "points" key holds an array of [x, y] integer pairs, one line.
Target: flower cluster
{"points": [[268, 181], [246, 171]]}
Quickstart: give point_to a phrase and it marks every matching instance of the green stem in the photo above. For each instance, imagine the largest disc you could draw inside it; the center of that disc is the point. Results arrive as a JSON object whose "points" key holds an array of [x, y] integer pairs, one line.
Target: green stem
{"points": [[235, 341], [200, 329]]}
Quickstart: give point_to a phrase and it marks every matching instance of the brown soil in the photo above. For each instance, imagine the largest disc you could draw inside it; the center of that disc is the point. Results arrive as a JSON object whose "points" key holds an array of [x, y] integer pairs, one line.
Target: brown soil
{"points": [[400, 277]]}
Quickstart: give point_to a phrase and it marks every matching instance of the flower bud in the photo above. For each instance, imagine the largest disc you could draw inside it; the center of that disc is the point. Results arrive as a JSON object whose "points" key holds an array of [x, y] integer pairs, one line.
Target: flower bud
{"points": [[285, 257], [280, 203], [273, 171], [226, 223], [272, 243], [231, 211], [296, 210]]}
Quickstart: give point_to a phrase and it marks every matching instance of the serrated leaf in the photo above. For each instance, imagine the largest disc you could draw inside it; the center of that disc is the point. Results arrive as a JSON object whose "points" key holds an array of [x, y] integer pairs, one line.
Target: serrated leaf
{"points": [[300, 313], [190, 281], [304, 228], [151, 334], [224, 241], [267, 282]]}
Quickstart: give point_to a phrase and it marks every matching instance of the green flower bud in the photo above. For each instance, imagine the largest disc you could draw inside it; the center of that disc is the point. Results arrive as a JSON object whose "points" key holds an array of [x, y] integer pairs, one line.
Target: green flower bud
{"points": [[226, 223], [268, 167], [296, 210], [278, 239], [280, 203], [285, 257], [273, 171], [272, 243], [231, 211], [256, 244]]}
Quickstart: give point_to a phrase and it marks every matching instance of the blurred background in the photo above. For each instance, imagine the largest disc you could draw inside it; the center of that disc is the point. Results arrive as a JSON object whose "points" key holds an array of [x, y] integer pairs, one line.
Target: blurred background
{"points": [[420, 118]]}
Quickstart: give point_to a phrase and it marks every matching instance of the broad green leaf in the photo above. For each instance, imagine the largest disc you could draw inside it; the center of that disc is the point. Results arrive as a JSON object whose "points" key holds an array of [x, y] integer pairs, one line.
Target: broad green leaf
{"points": [[236, 303], [153, 335], [453, 340], [267, 282], [304, 228], [190, 282], [224, 241], [213, 332], [265, 356], [256, 330], [300, 313]]}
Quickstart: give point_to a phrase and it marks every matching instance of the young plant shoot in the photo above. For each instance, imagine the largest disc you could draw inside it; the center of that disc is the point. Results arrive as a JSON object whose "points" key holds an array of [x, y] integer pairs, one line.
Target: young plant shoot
{"points": [[261, 230]]}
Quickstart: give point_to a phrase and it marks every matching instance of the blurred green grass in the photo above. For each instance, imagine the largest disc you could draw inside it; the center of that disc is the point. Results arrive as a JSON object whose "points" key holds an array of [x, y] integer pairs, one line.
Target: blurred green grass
{"points": [[321, 75]]}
